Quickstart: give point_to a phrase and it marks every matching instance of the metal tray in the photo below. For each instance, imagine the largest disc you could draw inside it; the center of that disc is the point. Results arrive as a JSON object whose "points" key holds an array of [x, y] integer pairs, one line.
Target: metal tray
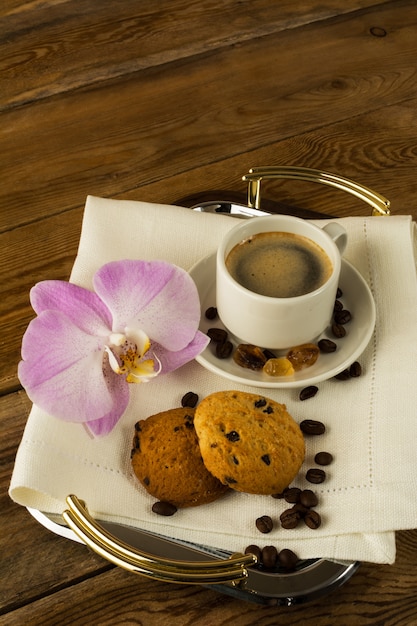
{"points": [[167, 559]]}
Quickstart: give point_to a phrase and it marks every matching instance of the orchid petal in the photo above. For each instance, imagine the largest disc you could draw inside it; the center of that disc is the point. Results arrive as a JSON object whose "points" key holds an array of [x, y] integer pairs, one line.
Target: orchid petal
{"points": [[103, 426], [157, 297], [173, 360], [63, 373], [83, 307], [119, 391]]}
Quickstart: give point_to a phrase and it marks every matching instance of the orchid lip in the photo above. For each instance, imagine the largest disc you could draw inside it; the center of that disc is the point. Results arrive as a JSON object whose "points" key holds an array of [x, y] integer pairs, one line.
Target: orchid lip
{"points": [[126, 356]]}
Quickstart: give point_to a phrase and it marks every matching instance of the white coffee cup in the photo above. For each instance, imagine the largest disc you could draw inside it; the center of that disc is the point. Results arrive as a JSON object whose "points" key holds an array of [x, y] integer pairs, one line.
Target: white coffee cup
{"points": [[278, 322]]}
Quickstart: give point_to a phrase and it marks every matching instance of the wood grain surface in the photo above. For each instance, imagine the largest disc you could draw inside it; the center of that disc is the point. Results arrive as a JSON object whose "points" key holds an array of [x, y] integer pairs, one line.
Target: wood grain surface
{"points": [[166, 101]]}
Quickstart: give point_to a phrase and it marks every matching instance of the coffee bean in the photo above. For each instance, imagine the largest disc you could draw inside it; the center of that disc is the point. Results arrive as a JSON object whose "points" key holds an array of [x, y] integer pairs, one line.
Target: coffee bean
{"points": [[339, 293], [345, 375], [312, 427], [312, 519], [287, 559], [338, 306], [327, 346], [308, 498], [252, 549], [217, 334], [189, 399], [338, 330], [269, 557], [308, 392], [355, 369], [211, 313], [264, 524], [164, 508], [292, 495], [323, 458], [316, 475], [289, 518], [300, 509], [342, 317], [224, 349]]}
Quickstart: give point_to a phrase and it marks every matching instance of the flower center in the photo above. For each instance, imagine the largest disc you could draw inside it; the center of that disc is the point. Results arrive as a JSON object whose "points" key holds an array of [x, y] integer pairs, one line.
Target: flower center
{"points": [[127, 356]]}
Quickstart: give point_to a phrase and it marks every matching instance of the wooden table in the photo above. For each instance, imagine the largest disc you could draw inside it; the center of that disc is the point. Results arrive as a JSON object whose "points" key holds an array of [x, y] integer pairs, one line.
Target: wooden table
{"points": [[160, 101]]}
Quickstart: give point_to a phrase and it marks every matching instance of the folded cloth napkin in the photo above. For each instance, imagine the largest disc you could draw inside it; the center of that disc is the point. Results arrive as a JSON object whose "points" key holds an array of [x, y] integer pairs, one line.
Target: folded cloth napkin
{"points": [[371, 426]]}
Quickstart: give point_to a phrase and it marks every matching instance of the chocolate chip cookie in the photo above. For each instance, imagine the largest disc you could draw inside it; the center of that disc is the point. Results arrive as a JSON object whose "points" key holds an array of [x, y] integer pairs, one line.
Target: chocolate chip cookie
{"points": [[249, 442], [166, 459]]}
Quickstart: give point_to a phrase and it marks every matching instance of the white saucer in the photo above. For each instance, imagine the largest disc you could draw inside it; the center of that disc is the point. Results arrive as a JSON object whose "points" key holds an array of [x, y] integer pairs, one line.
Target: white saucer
{"points": [[357, 298]]}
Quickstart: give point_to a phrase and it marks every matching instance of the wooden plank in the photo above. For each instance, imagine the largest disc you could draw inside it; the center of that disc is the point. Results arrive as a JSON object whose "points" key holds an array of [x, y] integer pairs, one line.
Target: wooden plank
{"points": [[35, 252], [374, 595], [34, 561], [82, 43], [117, 136]]}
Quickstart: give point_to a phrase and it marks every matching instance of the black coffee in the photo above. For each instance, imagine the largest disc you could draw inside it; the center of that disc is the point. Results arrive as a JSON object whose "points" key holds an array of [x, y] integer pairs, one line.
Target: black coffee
{"points": [[278, 264]]}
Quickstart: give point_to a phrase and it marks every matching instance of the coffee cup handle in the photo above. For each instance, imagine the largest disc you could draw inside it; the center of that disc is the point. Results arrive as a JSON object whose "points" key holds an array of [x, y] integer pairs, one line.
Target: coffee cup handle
{"points": [[338, 234]]}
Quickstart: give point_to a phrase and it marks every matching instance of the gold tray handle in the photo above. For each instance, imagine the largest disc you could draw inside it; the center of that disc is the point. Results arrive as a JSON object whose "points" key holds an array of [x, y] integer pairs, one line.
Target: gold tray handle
{"points": [[232, 571], [379, 204]]}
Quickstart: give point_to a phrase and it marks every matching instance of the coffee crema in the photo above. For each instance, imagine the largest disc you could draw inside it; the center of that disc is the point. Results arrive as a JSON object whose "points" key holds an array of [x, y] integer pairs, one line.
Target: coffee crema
{"points": [[279, 264]]}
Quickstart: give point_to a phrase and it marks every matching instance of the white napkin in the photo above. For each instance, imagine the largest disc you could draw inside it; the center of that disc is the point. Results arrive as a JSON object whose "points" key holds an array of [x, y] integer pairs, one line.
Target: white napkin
{"points": [[371, 487]]}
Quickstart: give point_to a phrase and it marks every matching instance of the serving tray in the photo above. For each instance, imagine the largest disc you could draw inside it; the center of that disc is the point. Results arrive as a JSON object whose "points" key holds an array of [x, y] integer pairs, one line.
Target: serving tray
{"points": [[171, 560]]}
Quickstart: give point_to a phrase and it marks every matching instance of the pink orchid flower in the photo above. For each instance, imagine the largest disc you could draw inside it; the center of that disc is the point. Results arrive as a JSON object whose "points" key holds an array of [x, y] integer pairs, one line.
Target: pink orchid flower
{"points": [[84, 347]]}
